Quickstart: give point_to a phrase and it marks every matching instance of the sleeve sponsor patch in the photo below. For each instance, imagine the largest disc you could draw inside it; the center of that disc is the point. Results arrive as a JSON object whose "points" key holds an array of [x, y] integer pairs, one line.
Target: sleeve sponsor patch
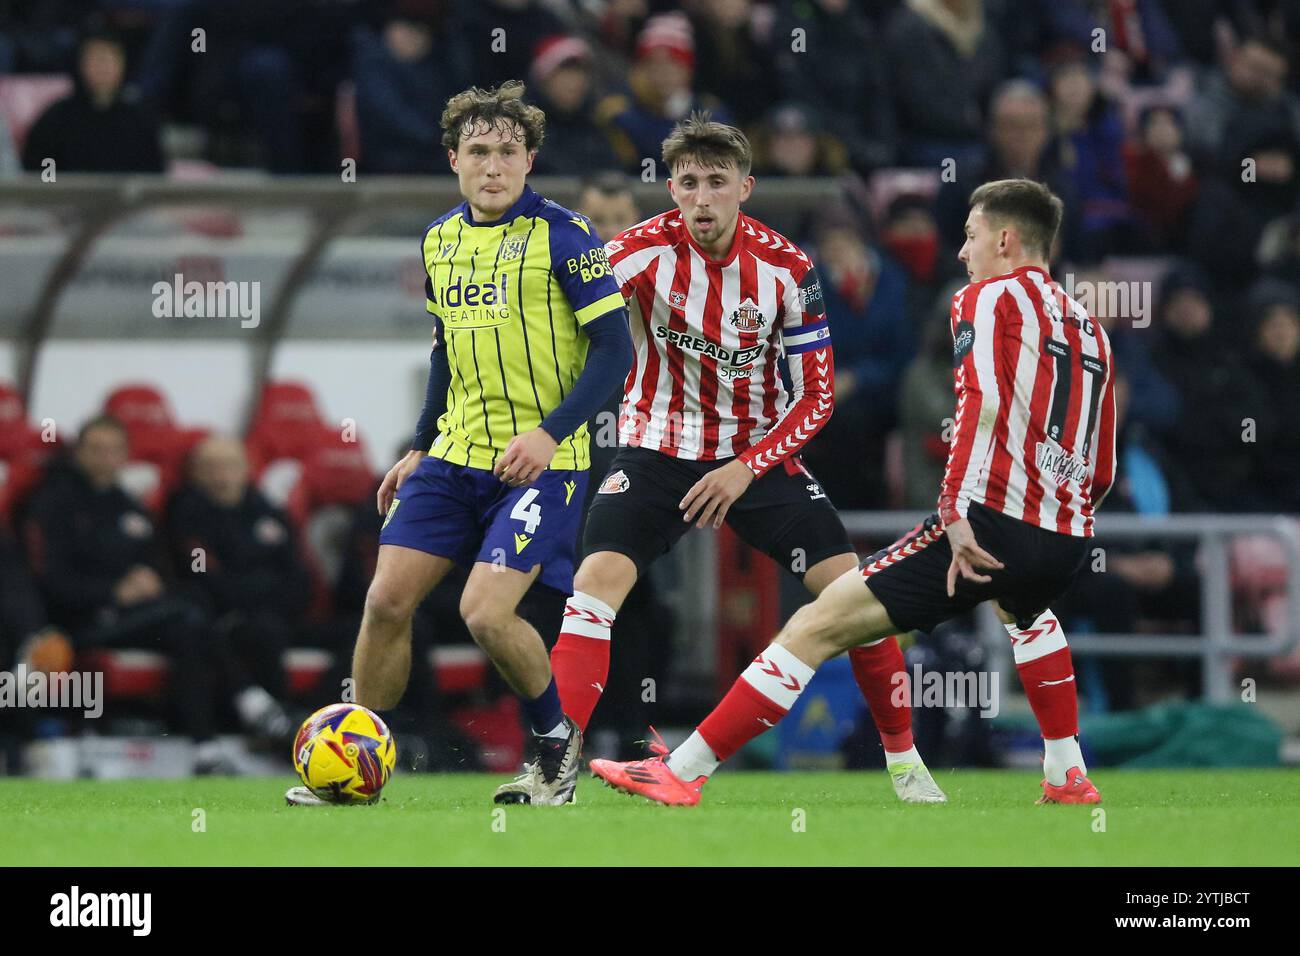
{"points": [[810, 293], [963, 340]]}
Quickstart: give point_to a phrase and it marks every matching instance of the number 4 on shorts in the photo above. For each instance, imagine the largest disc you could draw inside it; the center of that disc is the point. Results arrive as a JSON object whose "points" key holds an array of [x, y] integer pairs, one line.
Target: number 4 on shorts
{"points": [[527, 512]]}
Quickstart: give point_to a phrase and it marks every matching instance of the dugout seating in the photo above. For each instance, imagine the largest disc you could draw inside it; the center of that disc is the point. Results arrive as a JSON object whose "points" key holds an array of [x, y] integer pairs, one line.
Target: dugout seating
{"points": [[158, 445], [137, 674], [23, 454]]}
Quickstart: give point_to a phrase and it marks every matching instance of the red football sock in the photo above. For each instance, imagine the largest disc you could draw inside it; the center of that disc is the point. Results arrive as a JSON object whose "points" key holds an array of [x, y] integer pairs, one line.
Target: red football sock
{"points": [[1047, 675], [580, 658], [761, 696], [882, 677], [1049, 685]]}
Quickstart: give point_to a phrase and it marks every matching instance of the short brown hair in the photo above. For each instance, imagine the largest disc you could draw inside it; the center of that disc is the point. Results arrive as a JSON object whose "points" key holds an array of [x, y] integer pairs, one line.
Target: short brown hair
{"points": [[709, 143], [102, 420], [1031, 207], [501, 107]]}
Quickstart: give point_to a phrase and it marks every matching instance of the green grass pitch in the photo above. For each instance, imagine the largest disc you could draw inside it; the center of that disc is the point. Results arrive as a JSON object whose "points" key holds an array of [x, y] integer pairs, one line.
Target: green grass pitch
{"points": [[1184, 817]]}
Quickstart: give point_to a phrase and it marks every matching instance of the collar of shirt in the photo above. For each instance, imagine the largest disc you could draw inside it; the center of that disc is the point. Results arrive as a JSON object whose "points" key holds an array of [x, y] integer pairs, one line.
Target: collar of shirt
{"points": [[527, 197]]}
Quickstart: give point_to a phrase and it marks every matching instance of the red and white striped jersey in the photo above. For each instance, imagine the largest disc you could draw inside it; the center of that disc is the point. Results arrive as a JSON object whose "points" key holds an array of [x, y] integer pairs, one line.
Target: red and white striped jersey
{"points": [[708, 335], [1035, 384]]}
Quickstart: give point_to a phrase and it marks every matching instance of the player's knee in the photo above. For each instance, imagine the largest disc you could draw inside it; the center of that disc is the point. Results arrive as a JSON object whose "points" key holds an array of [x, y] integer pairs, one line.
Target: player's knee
{"points": [[485, 620], [387, 605], [607, 576]]}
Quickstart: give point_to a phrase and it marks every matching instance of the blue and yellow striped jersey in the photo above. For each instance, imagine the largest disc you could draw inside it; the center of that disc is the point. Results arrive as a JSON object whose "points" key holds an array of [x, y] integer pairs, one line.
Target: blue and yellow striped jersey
{"points": [[512, 297]]}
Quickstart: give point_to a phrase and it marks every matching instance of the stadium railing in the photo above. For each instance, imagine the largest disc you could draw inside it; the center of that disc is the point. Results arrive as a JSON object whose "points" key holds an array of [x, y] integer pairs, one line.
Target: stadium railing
{"points": [[1218, 644]]}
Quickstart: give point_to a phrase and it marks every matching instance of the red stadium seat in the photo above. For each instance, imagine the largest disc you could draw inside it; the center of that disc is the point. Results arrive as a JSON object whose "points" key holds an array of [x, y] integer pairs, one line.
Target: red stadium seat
{"points": [[23, 455], [287, 424], [155, 439]]}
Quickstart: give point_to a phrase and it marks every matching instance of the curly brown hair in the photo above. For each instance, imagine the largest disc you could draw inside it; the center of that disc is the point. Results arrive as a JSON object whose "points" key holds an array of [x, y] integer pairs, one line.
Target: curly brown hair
{"points": [[709, 143], [502, 107]]}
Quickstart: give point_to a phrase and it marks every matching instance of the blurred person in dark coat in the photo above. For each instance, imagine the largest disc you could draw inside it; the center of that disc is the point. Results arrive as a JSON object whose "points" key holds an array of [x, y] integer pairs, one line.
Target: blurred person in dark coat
{"points": [[237, 554], [404, 74], [96, 129], [1226, 422], [562, 84], [99, 564], [945, 57], [840, 62], [793, 141], [661, 91], [1274, 363]]}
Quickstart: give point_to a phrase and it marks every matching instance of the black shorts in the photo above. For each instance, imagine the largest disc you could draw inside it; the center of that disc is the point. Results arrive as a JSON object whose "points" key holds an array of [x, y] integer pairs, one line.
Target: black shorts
{"points": [[785, 514], [910, 577]]}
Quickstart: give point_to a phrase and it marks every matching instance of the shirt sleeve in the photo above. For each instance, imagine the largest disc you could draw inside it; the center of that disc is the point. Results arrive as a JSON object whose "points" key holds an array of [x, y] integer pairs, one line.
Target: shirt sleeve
{"points": [[806, 340], [582, 268]]}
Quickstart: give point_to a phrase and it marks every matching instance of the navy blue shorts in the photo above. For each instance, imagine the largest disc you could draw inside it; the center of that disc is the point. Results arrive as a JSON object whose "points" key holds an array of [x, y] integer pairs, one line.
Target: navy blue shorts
{"points": [[469, 514]]}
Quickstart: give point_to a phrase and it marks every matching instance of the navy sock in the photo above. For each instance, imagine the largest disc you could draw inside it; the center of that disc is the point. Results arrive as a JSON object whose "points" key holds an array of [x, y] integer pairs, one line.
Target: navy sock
{"points": [[544, 712]]}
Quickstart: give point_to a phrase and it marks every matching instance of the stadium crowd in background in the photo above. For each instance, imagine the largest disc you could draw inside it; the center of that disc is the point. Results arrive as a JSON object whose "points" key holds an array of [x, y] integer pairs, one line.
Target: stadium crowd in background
{"points": [[1171, 129]]}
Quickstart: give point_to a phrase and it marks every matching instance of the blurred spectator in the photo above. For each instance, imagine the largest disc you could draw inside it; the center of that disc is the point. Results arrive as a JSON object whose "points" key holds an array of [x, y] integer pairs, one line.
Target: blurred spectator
{"points": [[236, 553], [608, 201], [25, 632], [97, 560], [1161, 182], [1243, 100], [1136, 30], [792, 142], [927, 406], [564, 86], [265, 87], [402, 86], [1279, 249], [96, 130], [1140, 580], [1275, 365], [944, 63], [1233, 213], [1226, 424], [661, 93], [733, 57], [1089, 142], [839, 63], [1019, 140], [1155, 402], [871, 333], [910, 235], [500, 35], [40, 37]]}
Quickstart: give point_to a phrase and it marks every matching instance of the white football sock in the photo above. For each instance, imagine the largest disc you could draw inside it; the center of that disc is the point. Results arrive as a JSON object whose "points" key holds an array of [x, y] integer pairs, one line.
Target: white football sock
{"points": [[911, 755], [559, 730], [1059, 756], [693, 758]]}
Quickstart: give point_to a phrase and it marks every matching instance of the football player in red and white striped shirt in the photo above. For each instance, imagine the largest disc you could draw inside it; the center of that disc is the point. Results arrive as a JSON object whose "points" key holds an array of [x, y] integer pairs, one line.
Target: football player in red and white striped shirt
{"points": [[1032, 458], [708, 430]]}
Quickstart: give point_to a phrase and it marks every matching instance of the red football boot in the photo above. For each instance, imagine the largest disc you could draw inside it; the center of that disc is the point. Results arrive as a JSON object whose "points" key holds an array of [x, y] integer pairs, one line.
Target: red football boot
{"points": [[650, 778], [1076, 789]]}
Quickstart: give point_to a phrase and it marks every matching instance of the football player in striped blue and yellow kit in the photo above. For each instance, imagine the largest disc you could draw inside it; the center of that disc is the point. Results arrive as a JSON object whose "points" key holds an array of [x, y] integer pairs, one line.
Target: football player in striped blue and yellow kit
{"points": [[531, 338]]}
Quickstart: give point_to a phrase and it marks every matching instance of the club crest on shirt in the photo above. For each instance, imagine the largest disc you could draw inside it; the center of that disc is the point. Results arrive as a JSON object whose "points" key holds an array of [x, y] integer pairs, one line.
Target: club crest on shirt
{"points": [[512, 247], [747, 318], [677, 299], [614, 484]]}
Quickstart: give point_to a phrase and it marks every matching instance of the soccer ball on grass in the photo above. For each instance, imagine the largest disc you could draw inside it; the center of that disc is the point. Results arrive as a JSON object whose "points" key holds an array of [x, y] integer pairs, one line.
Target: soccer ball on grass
{"points": [[344, 754]]}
